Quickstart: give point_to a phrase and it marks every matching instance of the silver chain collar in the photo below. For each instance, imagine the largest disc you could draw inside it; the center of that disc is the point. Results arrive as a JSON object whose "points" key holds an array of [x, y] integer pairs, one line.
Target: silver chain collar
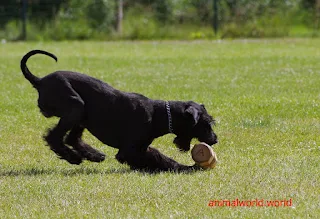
{"points": [[169, 117]]}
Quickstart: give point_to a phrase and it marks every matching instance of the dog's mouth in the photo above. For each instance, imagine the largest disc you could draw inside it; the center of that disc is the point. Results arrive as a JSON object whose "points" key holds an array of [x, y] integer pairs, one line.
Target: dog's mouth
{"points": [[184, 143], [210, 141], [208, 137]]}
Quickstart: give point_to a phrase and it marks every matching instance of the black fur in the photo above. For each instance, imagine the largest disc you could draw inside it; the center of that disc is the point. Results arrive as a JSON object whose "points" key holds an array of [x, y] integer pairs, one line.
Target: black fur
{"points": [[126, 121]]}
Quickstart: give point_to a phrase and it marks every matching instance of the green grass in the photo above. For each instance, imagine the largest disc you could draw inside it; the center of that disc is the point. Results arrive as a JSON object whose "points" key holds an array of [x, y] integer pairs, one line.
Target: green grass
{"points": [[264, 94]]}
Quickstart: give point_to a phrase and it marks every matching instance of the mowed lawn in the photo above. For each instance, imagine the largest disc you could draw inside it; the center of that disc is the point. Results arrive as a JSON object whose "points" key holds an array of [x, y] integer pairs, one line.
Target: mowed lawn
{"points": [[264, 95]]}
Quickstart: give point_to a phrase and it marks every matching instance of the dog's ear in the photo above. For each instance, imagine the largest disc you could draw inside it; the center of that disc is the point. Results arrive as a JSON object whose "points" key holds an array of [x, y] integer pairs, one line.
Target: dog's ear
{"points": [[192, 113]]}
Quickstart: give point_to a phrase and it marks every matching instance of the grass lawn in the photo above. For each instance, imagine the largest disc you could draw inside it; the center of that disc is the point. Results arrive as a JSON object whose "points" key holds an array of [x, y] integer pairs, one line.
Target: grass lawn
{"points": [[264, 95]]}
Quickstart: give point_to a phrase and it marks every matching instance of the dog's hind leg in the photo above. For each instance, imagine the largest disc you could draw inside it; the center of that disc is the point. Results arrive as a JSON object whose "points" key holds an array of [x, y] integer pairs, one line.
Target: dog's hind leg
{"points": [[151, 160], [86, 151], [70, 110], [54, 139]]}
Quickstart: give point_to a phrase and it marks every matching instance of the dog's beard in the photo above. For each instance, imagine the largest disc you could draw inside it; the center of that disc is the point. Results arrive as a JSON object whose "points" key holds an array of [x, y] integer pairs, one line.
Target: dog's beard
{"points": [[182, 143]]}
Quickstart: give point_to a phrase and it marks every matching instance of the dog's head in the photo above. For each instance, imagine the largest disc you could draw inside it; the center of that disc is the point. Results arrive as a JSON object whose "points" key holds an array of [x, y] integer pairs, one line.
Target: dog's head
{"points": [[195, 122]]}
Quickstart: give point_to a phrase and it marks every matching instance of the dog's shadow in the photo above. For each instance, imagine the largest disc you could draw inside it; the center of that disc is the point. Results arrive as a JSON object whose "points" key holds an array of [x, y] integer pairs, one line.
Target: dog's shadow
{"points": [[64, 172], [82, 171]]}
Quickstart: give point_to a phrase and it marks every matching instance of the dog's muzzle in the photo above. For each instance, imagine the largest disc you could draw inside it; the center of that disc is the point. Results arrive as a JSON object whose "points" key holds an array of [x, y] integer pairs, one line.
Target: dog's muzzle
{"points": [[210, 140]]}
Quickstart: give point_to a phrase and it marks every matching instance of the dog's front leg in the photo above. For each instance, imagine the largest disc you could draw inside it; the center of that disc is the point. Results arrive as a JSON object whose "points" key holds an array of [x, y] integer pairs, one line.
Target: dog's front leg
{"points": [[150, 160]]}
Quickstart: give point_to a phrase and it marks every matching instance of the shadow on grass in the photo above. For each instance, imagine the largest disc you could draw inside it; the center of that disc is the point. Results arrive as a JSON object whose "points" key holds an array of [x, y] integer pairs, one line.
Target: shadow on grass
{"points": [[63, 172], [83, 171]]}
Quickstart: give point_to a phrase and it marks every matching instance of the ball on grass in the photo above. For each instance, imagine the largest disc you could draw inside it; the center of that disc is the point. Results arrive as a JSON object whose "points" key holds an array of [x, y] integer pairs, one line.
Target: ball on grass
{"points": [[204, 156]]}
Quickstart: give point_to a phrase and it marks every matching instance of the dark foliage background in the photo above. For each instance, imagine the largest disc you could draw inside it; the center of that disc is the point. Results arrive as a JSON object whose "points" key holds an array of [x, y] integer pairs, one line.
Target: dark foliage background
{"points": [[158, 19]]}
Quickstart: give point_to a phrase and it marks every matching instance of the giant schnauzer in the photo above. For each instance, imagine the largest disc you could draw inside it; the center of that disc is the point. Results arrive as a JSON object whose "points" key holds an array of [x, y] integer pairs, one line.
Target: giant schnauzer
{"points": [[126, 121]]}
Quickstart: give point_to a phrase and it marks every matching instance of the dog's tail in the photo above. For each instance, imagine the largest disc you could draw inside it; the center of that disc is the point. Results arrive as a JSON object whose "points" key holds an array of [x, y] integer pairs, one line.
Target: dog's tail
{"points": [[34, 80]]}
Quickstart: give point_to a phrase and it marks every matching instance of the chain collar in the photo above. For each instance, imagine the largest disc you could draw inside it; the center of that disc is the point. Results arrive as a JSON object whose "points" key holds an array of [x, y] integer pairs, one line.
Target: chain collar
{"points": [[169, 117]]}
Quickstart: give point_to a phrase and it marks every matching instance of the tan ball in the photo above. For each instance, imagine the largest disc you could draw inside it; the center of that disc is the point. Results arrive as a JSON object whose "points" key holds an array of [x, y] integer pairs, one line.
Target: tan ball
{"points": [[204, 156]]}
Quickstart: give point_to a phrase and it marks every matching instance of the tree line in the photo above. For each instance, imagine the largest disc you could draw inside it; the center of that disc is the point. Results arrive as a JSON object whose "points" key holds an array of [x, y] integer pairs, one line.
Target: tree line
{"points": [[78, 19]]}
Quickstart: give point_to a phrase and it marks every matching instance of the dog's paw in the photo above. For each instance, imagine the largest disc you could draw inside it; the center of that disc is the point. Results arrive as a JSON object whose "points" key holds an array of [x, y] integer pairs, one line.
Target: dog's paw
{"points": [[89, 153], [95, 157], [72, 160], [120, 158], [67, 154], [186, 169]]}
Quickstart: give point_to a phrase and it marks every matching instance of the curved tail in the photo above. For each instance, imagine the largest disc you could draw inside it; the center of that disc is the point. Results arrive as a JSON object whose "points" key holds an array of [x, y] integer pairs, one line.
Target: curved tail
{"points": [[34, 80]]}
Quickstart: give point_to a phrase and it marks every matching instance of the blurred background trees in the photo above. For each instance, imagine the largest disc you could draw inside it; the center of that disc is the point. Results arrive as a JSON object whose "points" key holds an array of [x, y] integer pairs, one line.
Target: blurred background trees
{"points": [[158, 19]]}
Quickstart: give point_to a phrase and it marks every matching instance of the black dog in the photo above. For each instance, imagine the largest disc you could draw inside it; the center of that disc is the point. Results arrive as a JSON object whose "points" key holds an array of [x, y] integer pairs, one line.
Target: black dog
{"points": [[127, 121]]}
